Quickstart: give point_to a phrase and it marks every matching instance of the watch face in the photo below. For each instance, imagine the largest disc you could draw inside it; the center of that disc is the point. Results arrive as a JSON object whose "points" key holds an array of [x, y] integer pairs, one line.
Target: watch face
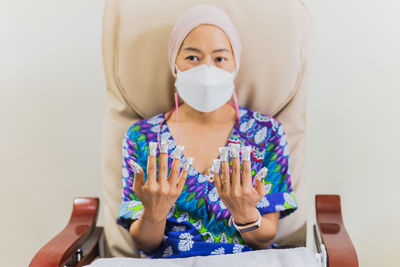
{"points": [[254, 227]]}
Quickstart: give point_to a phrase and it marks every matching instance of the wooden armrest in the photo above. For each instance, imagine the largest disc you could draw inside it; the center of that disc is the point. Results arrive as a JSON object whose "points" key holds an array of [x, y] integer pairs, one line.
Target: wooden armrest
{"points": [[80, 229], [339, 248]]}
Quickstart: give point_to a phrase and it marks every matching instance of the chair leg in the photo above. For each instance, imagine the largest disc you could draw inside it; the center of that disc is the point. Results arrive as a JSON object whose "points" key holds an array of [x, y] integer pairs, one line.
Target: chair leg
{"points": [[91, 248], [339, 248], [78, 241]]}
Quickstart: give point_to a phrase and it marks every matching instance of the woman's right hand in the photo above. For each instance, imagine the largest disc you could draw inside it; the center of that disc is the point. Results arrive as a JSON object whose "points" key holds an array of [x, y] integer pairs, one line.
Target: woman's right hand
{"points": [[159, 194]]}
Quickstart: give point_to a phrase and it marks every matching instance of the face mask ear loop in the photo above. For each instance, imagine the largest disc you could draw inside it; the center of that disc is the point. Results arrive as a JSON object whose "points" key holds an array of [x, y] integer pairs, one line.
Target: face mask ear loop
{"points": [[165, 118], [177, 117], [236, 106], [159, 127]]}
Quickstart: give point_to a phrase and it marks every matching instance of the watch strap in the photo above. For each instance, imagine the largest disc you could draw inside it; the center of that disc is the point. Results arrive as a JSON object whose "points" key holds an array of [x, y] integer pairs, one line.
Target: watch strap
{"points": [[247, 227]]}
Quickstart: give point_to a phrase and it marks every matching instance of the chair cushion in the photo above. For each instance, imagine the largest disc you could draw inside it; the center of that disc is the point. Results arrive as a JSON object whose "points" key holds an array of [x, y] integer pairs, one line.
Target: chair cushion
{"points": [[272, 79], [295, 257]]}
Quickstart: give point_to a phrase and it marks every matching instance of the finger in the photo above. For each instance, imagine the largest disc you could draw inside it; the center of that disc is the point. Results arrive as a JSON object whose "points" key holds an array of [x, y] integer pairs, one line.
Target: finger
{"points": [[225, 177], [138, 182], [182, 178], [174, 173], [176, 165], [259, 181], [152, 163], [235, 149], [138, 177], [163, 162], [216, 166], [246, 173], [260, 187]]}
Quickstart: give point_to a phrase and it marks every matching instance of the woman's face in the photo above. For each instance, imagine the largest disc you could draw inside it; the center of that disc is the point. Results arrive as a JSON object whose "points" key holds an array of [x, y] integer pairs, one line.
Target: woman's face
{"points": [[206, 44]]}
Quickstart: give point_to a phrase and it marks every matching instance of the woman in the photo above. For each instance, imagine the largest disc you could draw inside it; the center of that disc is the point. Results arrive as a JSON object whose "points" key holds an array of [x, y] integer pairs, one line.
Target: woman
{"points": [[231, 197]]}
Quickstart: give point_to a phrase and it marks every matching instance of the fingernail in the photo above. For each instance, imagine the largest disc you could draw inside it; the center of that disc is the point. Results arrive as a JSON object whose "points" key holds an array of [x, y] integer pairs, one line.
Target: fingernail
{"points": [[135, 166], [153, 148], [164, 146], [246, 151], [235, 149], [178, 151], [189, 161], [261, 173], [223, 153], [216, 165]]}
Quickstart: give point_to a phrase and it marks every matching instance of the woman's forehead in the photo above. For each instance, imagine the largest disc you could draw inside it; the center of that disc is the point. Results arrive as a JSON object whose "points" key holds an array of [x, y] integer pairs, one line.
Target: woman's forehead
{"points": [[206, 37]]}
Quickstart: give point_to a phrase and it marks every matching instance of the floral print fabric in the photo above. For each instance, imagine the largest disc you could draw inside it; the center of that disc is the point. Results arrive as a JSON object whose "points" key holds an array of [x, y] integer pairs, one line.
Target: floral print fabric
{"points": [[197, 224]]}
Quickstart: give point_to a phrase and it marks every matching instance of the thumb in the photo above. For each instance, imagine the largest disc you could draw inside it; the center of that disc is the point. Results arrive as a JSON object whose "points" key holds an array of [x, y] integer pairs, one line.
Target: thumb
{"points": [[259, 181], [138, 178]]}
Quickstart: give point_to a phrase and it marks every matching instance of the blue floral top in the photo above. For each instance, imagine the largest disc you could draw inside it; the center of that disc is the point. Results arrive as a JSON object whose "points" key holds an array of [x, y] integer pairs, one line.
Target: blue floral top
{"points": [[197, 224]]}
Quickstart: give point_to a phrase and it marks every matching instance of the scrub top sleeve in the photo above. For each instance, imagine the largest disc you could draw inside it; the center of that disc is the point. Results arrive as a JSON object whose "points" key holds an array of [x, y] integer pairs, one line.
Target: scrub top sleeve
{"points": [[131, 207], [279, 197]]}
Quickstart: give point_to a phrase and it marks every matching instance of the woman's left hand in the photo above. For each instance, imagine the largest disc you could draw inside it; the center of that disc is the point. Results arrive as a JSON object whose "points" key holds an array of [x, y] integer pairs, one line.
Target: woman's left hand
{"points": [[237, 192]]}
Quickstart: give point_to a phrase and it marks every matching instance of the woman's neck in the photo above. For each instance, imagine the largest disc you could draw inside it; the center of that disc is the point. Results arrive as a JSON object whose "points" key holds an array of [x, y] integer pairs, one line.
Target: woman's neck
{"points": [[222, 115]]}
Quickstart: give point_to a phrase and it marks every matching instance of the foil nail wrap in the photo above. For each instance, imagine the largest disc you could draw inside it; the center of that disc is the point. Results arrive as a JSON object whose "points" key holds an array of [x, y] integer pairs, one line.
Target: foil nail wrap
{"points": [[235, 150], [153, 148], [178, 151], [216, 165], [261, 173], [223, 153], [246, 152], [164, 145], [189, 161], [135, 166]]}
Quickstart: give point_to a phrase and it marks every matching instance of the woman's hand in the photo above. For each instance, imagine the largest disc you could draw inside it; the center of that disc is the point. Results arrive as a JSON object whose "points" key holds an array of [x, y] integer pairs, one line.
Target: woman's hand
{"points": [[236, 189], [159, 194]]}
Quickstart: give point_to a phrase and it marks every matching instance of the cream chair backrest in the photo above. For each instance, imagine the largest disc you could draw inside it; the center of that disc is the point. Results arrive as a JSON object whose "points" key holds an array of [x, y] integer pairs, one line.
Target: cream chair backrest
{"points": [[272, 79]]}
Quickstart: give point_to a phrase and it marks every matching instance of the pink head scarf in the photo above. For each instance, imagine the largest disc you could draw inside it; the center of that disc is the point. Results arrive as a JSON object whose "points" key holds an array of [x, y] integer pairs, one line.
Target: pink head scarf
{"points": [[195, 16], [201, 14]]}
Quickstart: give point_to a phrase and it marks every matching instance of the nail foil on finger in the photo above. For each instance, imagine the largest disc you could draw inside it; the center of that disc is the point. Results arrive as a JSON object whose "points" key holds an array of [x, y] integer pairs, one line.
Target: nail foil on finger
{"points": [[135, 166], [223, 153], [235, 149], [261, 173], [164, 144], [216, 165], [153, 148], [178, 151], [189, 162], [246, 152]]}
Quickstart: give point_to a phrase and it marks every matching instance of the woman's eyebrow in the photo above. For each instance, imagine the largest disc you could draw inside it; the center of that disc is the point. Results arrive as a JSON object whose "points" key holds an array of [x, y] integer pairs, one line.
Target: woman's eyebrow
{"points": [[192, 49], [199, 51], [221, 50]]}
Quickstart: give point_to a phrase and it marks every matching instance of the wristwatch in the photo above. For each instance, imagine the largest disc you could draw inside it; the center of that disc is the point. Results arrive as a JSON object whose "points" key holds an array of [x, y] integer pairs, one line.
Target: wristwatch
{"points": [[247, 227]]}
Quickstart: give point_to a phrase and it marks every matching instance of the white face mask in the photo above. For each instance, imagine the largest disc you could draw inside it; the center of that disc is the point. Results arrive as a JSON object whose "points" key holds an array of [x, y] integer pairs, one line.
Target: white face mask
{"points": [[205, 88]]}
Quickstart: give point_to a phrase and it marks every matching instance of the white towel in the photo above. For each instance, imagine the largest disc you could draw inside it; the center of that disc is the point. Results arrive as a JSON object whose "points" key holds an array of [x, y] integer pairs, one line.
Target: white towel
{"points": [[293, 257]]}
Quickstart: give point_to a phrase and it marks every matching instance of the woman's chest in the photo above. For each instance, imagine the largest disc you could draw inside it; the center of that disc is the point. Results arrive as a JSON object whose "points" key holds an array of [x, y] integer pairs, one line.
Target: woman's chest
{"points": [[203, 144]]}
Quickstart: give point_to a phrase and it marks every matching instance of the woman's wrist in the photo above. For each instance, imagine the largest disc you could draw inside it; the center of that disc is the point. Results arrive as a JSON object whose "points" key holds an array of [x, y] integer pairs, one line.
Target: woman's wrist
{"points": [[152, 217], [248, 217]]}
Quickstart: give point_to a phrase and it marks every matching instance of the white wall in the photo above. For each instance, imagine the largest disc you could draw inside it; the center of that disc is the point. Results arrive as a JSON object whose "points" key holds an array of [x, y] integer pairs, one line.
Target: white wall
{"points": [[51, 102], [354, 120], [52, 92]]}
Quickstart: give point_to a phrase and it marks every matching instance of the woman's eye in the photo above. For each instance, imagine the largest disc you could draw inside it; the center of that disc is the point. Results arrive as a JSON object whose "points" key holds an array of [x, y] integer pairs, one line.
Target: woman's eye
{"points": [[220, 59], [192, 58]]}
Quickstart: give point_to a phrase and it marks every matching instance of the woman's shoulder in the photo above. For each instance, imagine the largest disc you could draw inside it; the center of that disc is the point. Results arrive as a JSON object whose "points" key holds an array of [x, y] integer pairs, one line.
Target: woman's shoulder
{"points": [[252, 120], [144, 128]]}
